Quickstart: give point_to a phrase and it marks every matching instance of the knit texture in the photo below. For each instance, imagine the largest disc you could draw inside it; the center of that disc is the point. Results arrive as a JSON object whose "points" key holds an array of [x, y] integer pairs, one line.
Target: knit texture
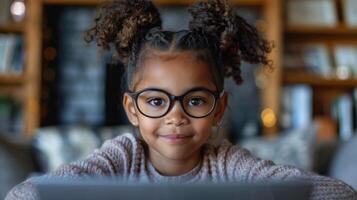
{"points": [[124, 156]]}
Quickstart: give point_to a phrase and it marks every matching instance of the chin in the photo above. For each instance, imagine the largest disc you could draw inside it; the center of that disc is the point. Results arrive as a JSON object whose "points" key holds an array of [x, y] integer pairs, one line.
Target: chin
{"points": [[177, 153]]}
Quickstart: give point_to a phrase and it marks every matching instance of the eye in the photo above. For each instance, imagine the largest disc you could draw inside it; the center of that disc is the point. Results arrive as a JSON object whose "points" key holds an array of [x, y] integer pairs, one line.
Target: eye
{"points": [[156, 101], [196, 101]]}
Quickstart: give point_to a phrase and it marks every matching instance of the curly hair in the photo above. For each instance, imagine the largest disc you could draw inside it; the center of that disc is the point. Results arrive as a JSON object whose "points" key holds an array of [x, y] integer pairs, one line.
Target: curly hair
{"points": [[217, 36]]}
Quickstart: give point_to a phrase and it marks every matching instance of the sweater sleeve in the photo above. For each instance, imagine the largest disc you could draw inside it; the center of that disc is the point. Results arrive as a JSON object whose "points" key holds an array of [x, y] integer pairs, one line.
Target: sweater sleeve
{"points": [[246, 167], [112, 159]]}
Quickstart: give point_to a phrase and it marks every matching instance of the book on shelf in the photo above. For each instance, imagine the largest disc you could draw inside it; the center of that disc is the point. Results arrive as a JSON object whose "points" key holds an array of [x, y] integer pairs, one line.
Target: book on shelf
{"points": [[286, 113], [293, 57], [342, 111], [346, 58], [11, 117], [296, 106], [312, 13], [354, 95], [312, 58], [11, 54], [349, 12]]}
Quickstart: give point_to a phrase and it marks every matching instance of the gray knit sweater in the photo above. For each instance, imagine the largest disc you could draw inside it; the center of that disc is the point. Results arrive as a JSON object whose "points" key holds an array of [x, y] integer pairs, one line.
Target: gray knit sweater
{"points": [[124, 156]]}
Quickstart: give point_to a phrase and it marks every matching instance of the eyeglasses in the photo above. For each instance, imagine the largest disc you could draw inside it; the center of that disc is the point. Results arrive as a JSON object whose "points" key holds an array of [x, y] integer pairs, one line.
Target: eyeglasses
{"points": [[156, 103]]}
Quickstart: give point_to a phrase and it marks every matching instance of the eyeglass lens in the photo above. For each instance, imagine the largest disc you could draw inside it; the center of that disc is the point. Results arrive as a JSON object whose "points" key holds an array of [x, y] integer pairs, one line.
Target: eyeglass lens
{"points": [[156, 103]]}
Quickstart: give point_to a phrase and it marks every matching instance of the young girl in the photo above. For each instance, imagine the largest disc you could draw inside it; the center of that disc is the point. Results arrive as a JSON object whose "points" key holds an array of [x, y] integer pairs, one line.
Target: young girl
{"points": [[175, 97]]}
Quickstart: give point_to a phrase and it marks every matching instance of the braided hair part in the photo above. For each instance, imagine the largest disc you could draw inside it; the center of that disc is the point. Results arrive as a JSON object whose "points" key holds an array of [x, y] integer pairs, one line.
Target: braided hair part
{"points": [[217, 36]]}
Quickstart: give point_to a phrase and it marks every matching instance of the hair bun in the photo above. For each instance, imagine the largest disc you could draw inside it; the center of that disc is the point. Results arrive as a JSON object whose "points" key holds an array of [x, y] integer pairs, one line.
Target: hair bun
{"points": [[120, 22], [238, 40], [210, 16]]}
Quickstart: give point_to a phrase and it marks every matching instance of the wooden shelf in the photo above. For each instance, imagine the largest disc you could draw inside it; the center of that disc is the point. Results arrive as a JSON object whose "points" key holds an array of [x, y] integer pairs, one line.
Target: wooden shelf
{"points": [[316, 80], [11, 79], [13, 91], [12, 27], [160, 2], [334, 31]]}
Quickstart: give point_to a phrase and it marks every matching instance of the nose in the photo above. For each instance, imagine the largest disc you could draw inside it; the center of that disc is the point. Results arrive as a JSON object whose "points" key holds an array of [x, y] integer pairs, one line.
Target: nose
{"points": [[176, 115]]}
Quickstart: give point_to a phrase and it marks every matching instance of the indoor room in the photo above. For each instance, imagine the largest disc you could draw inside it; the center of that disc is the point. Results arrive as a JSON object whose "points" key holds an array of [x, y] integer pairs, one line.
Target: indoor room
{"points": [[290, 89]]}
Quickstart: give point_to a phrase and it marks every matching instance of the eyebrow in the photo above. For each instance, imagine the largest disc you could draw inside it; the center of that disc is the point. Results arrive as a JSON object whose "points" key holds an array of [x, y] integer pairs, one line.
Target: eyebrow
{"points": [[187, 90]]}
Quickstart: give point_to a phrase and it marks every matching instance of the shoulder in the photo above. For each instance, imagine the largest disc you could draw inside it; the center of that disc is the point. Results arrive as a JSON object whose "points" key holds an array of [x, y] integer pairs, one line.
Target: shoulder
{"points": [[226, 151], [125, 147], [231, 160], [126, 141], [114, 157], [241, 164]]}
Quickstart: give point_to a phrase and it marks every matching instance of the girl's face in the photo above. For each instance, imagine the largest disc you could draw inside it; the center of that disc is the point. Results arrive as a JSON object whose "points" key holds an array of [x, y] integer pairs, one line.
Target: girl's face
{"points": [[174, 136]]}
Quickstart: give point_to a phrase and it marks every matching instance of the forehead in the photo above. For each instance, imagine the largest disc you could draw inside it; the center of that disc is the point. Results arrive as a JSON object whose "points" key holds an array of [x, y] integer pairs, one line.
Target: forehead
{"points": [[175, 73]]}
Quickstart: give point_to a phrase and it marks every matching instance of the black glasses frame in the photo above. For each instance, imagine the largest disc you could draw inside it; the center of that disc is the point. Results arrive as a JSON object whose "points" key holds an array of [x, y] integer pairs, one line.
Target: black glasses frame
{"points": [[173, 98]]}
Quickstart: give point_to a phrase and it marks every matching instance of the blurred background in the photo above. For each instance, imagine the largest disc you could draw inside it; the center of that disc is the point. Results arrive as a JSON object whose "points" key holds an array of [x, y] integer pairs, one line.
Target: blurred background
{"points": [[60, 98]]}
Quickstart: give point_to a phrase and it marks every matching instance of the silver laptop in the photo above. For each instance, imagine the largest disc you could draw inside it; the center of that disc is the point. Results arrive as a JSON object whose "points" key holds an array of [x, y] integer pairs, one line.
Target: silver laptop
{"points": [[94, 189]]}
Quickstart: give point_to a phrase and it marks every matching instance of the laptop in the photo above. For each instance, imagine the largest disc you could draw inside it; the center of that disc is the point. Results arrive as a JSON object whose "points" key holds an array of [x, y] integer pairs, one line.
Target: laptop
{"points": [[94, 189]]}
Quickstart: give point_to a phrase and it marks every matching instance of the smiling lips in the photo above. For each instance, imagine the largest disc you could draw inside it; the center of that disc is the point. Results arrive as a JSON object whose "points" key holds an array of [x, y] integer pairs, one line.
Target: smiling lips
{"points": [[176, 138]]}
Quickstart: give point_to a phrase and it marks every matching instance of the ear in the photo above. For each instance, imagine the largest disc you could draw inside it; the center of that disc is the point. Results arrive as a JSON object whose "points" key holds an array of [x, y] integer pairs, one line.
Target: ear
{"points": [[129, 107], [221, 107]]}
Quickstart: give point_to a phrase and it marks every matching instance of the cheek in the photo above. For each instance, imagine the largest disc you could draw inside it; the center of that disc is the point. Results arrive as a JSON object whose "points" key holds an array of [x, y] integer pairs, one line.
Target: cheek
{"points": [[203, 127], [148, 126]]}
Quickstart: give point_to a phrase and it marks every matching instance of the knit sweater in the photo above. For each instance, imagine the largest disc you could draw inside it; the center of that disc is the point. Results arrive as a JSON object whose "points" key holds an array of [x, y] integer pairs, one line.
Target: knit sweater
{"points": [[125, 156]]}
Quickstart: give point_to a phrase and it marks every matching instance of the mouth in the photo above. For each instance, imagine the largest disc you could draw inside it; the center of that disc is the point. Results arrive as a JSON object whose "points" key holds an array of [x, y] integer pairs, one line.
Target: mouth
{"points": [[176, 138]]}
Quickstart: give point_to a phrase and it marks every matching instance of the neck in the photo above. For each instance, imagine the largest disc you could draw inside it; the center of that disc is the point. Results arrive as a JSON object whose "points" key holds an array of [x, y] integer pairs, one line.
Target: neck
{"points": [[173, 167]]}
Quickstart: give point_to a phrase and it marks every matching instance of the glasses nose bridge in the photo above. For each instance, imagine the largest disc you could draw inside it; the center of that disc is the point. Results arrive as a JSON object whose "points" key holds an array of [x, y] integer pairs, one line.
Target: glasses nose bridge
{"points": [[173, 99]]}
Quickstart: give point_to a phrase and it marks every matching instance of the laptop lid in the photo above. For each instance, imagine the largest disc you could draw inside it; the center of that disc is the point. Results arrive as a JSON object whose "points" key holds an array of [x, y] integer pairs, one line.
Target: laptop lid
{"points": [[116, 190]]}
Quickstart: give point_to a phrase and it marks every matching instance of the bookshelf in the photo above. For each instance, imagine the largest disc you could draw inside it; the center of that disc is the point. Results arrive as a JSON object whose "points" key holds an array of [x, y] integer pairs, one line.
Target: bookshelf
{"points": [[338, 31], [11, 79], [314, 80], [326, 89], [12, 27], [23, 87], [27, 86]]}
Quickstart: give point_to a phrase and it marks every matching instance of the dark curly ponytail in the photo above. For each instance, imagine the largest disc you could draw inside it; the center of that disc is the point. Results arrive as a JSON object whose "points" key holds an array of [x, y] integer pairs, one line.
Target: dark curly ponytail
{"points": [[238, 40], [120, 22], [217, 36]]}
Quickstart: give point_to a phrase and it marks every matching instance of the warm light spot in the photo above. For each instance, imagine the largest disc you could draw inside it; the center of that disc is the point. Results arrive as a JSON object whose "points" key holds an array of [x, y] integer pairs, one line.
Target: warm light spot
{"points": [[343, 72], [17, 10], [268, 117]]}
